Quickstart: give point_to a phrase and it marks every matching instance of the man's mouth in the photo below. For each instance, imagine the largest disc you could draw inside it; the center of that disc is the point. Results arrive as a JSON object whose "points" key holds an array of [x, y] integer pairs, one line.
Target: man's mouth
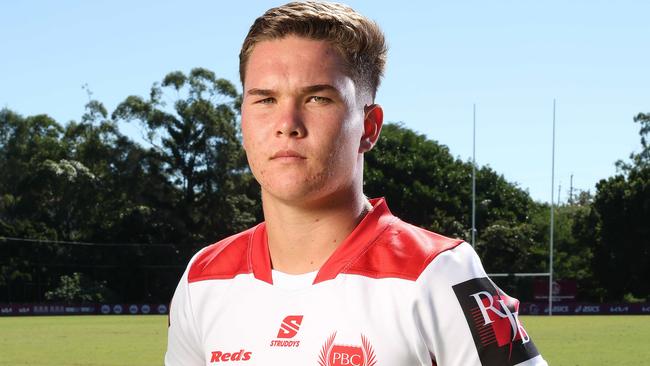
{"points": [[287, 154]]}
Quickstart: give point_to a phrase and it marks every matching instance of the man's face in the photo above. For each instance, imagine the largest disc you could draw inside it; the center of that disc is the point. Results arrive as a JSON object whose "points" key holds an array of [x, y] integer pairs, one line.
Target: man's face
{"points": [[301, 120]]}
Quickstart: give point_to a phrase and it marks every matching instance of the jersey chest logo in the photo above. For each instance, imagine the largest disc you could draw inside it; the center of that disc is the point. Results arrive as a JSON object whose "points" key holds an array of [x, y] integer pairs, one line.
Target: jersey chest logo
{"points": [[290, 326], [346, 355], [288, 329]]}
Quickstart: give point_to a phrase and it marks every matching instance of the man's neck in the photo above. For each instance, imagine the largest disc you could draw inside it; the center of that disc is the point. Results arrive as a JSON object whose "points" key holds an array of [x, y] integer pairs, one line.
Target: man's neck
{"points": [[302, 238]]}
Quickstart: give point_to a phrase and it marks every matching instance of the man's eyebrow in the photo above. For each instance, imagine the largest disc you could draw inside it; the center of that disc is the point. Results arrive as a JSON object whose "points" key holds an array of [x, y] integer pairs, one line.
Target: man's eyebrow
{"points": [[261, 92], [318, 88], [306, 90]]}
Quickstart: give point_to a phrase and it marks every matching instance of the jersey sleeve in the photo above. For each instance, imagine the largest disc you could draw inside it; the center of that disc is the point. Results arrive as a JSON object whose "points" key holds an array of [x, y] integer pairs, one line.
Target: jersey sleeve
{"points": [[184, 347], [465, 319]]}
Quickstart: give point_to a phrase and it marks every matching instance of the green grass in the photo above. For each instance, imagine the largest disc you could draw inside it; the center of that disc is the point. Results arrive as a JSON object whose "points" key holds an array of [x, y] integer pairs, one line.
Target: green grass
{"points": [[119, 340], [125, 340], [616, 340]]}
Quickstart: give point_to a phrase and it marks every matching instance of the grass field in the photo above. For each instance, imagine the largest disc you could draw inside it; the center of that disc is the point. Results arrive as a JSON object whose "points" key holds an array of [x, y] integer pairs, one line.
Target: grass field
{"points": [[140, 340], [617, 340], [123, 340]]}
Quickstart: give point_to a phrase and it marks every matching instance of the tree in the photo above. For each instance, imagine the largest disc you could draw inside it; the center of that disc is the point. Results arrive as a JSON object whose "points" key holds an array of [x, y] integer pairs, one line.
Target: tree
{"points": [[196, 144], [87, 182], [574, 240], [622, 203], [420, 179], [505, 246], [78, 288], [26, 145]]}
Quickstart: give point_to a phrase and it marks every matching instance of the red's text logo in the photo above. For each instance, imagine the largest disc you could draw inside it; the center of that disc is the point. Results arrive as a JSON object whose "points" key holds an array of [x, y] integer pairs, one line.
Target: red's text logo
{"points": [[218, 356]]}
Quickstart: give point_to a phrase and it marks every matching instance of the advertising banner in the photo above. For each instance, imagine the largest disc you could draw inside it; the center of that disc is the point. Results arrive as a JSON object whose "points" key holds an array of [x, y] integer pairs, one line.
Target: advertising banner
{"points": [[581, 308], [82, 309], [525, 308], [563, 290]]}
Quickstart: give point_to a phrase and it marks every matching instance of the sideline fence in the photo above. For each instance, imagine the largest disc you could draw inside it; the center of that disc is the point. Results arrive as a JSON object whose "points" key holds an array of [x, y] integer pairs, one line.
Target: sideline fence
{"points": [[82, 309], [122, 272], [525, 308]]}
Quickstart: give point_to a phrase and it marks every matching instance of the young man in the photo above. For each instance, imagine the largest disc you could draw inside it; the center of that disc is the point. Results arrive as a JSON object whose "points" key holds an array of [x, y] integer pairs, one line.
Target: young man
{"points": [[331, 278]]}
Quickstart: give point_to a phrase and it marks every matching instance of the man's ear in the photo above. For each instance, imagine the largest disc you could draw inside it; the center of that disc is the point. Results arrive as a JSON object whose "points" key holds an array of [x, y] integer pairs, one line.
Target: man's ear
{"points": [[372, 122]]}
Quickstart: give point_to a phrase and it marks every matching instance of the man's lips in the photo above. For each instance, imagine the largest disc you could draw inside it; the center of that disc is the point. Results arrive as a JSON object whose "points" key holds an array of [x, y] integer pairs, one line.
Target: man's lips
{"points": [[287, 154]]}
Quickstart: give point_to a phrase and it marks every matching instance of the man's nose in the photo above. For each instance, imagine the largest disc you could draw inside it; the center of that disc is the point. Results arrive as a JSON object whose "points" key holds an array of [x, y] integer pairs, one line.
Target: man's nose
{"points": [[291, 123]]}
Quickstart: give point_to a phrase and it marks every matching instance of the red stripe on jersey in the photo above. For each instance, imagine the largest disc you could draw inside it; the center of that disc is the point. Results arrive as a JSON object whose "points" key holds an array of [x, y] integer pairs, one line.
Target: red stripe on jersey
{"points": [[243, 253], [222, 260], [381, 246], [259, 255]]}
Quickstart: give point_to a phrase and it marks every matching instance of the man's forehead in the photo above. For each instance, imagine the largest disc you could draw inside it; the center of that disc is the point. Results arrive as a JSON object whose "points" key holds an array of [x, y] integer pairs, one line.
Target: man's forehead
{"points": [[296, 44], [303, 68], [295, 56]]}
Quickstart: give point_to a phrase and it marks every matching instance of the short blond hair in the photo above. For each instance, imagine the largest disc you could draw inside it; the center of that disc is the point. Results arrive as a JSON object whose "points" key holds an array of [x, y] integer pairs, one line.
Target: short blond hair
{"points": [[358, 40]]}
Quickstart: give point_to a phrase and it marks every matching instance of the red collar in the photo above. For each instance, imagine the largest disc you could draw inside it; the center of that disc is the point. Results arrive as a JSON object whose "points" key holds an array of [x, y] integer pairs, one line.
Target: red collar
{"points": [[359, 240]]}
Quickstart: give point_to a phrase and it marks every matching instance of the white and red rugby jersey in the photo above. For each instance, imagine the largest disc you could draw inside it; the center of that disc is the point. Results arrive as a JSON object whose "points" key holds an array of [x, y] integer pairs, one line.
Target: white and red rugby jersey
{"points": [[392, 294]]}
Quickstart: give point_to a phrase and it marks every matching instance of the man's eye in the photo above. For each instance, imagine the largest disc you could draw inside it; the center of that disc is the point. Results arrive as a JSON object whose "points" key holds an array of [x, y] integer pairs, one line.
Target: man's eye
{"points": [[266, 101], [319, 99]]}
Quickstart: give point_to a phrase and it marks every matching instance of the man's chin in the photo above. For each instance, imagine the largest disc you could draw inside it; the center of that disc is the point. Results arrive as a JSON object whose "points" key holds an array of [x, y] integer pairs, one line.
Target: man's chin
{"points": [[295, 195]]}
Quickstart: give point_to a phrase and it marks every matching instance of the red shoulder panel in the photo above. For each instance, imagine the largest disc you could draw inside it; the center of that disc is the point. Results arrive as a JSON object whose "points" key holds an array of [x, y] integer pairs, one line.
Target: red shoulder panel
{"points": [[224, 259], [401, 251], [383, 246]]}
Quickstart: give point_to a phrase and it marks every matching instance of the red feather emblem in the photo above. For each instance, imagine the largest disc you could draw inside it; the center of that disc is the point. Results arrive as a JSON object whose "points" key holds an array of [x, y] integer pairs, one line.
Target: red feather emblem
{"points": [[324, 352], [368, 351]]}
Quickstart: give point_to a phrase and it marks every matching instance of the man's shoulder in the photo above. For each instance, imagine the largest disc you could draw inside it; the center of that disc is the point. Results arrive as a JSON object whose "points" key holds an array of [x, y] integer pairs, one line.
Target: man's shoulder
{"points": [[224, 259], [403, 251]]}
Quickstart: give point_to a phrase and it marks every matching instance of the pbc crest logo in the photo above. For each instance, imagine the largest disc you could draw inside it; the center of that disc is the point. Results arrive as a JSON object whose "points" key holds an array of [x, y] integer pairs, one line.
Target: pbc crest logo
{"points": [[493, 319], [346, 355]]}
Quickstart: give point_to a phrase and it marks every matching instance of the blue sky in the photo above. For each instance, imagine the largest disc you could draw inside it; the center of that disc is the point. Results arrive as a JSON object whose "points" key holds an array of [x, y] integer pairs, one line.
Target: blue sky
{"points": [[511, 58]]}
